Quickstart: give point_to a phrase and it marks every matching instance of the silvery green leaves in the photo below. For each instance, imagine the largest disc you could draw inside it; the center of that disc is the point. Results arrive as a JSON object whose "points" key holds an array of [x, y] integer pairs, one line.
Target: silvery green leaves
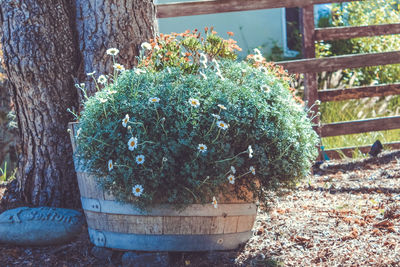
{"points": [[212, 132]]}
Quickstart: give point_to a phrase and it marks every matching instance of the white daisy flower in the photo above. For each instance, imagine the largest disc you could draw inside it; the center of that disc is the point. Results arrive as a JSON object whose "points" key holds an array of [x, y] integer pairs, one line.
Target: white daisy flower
{"points": [[258, 58], [110, 165], [223, 125], [137, 190], [250, 151], [119, 67], [203, 75], [202, 148], [263, 69], [154, 100], [125, 120], [112, 51], [146, 46], [219, 74], [132, 143], [233, 169], [231, 179], [102, 79], [216, 116], [253, 170], [140, 159], [265, 88], [256, 51], [82, 85], [194, 102], [214, 202], [139, 71], [91, 73], [216, 63], [221, 106], [203, 60]]}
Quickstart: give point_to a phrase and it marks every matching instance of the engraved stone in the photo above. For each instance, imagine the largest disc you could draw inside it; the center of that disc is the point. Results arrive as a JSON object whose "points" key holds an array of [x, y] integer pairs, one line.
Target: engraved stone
{"points": [[39, 226]]}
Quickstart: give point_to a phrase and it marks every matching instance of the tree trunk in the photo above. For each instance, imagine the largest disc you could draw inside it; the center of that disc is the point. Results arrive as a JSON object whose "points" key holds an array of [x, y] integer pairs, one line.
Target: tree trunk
{"points": [[41, 57], [122, 24], [47, 45]]}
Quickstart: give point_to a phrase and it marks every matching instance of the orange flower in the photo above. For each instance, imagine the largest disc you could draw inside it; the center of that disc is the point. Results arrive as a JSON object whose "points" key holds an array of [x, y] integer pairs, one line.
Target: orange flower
{"points": [[213, 32], [206, 29], [188, 54], [230, 33]]}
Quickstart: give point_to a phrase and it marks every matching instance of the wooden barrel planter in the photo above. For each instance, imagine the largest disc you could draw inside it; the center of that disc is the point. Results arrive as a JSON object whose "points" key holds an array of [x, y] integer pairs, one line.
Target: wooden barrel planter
{"points": [[199, 227]]}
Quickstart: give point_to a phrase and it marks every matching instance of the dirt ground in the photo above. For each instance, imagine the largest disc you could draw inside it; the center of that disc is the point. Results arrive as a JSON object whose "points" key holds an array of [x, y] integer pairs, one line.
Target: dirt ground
{"points": [[346, 214]]}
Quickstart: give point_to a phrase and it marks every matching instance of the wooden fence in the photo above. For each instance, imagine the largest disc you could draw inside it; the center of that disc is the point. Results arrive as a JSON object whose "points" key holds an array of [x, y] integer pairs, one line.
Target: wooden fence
{"points": [[310, 66]]}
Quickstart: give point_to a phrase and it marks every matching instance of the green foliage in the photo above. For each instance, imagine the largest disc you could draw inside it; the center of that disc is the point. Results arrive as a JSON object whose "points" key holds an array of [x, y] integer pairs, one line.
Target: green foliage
{"points": [[256, 107], [360, 13], [356, 14], [5, 174]]}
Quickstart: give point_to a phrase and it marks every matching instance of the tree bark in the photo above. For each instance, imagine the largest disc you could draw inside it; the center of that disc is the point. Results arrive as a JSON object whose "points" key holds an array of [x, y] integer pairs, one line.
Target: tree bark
{"points": [[123, 24], [41, 57], [48, 46]]}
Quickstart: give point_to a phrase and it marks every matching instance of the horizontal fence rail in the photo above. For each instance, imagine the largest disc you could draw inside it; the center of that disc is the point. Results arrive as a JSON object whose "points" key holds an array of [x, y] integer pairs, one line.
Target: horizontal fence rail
{"points": [[359, 92], [336, 33], [220, 6], [360, 126], [314, 65]]}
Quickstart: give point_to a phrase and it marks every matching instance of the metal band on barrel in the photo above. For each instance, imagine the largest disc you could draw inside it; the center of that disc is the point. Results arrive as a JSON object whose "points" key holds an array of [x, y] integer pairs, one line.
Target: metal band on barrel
{"points": [[145, 242]]}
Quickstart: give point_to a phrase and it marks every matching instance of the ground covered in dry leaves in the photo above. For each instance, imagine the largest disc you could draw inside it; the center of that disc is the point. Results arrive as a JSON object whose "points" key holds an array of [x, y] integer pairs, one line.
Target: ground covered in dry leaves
{"points": [[346, 214]]}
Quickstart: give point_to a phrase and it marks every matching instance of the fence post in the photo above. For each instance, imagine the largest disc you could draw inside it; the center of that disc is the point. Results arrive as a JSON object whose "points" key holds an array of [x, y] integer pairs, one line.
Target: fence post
{"points": [[310, 79]]}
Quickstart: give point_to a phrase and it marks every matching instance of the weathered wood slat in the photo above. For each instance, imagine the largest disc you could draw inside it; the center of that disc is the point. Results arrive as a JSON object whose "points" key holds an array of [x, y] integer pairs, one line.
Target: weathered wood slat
{"points": [[341, 62], [220, 6], [310, 79], [348, 151], [169, 225], [336, 33], [360, 126], [88, 186], [359, 92]]}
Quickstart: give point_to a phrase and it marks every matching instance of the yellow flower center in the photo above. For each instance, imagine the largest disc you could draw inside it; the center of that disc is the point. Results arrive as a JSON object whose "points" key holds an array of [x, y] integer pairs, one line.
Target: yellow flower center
{"points": [[140, 159], [133, 143], [222, 125], [154, 100], [138, 190]]}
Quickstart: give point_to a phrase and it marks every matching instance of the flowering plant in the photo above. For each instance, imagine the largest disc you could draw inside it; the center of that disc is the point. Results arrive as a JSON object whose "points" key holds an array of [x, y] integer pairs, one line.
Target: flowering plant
{"points": [[168, 135]]}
